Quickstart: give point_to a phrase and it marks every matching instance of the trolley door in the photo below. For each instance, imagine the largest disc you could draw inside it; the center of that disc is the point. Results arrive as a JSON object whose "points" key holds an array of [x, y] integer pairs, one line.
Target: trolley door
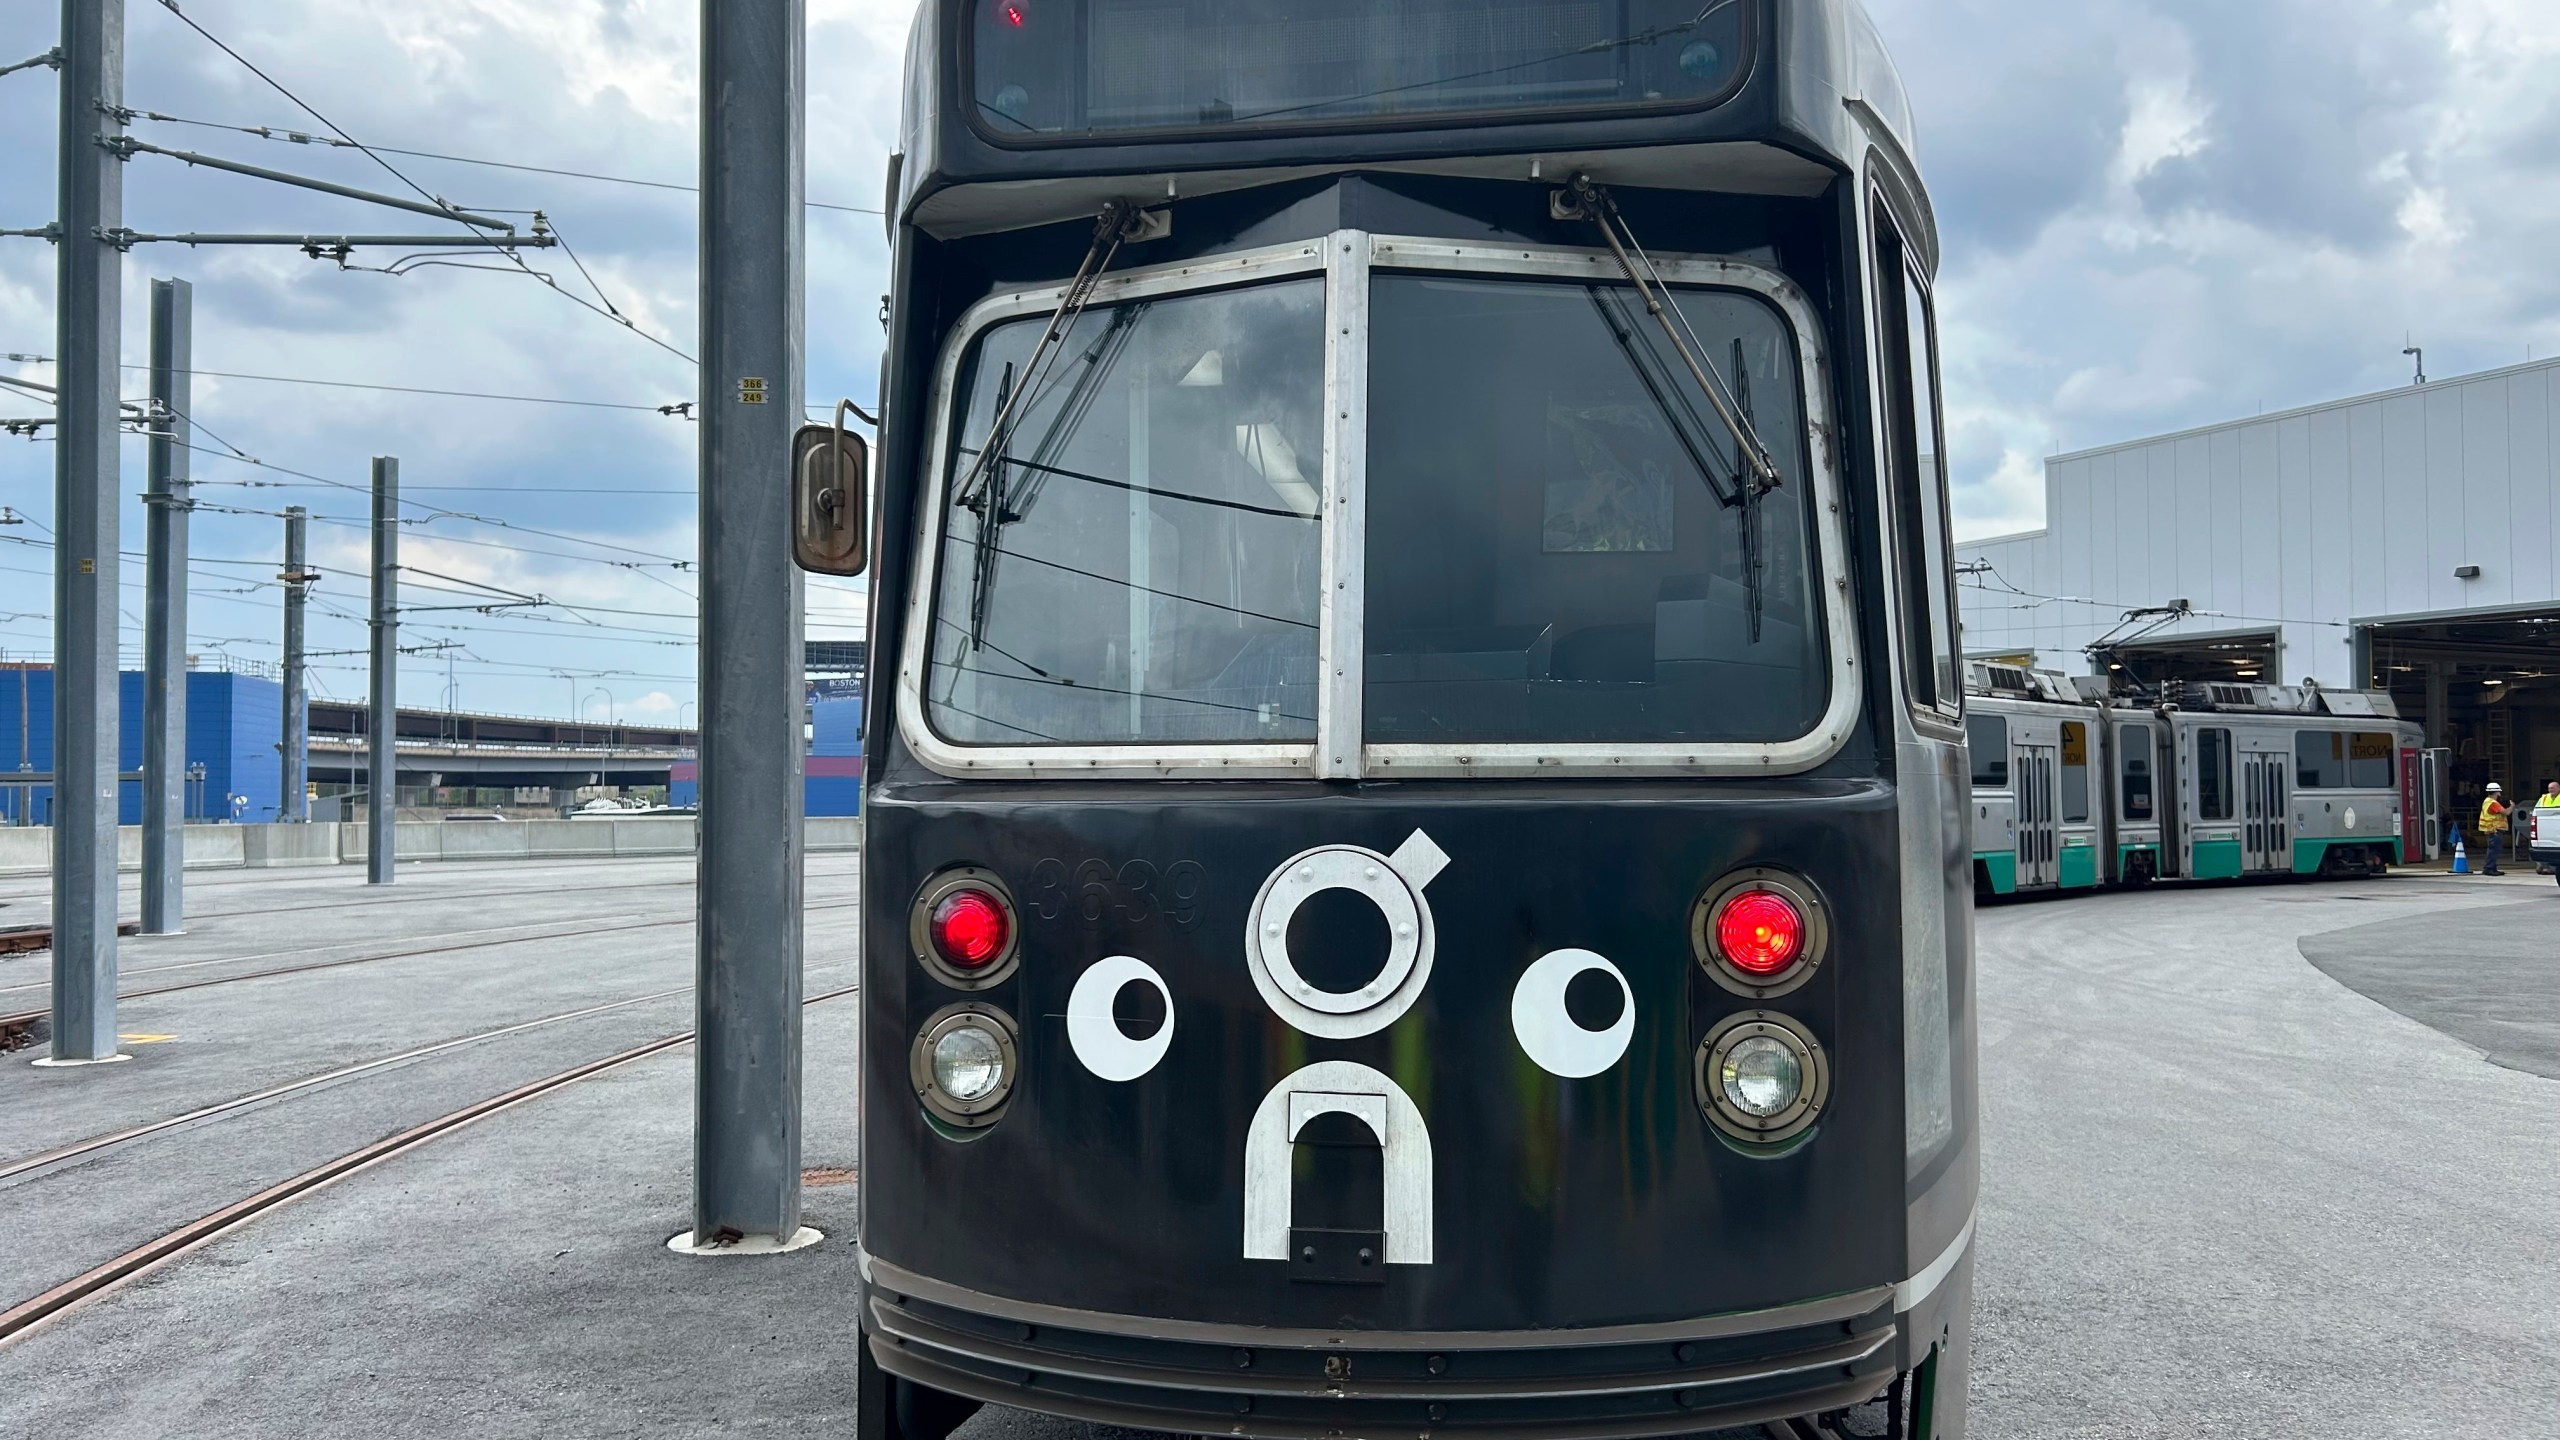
{"points": [[2039, 843]]}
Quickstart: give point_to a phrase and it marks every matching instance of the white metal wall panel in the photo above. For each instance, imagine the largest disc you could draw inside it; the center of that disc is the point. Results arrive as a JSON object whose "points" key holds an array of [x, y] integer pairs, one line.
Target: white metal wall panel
{"points": [[2370, 430], [2321, 517], [2293, 497], [2441, 437], [2532, 401], [2486, 538], [2333, 543]]}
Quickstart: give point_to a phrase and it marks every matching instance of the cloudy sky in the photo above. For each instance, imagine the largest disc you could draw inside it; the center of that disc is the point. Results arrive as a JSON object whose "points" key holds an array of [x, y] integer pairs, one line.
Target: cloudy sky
{"points": [[2156, 213]]}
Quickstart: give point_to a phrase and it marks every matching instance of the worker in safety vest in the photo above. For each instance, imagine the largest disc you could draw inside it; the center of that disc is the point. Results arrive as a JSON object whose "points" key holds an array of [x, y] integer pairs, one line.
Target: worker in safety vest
{"points": [[2549, 802], [2493, 826]]}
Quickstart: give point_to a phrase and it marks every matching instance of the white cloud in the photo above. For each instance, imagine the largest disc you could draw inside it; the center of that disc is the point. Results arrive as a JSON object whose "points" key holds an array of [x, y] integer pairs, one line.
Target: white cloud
{"points": [[2290, 188]]}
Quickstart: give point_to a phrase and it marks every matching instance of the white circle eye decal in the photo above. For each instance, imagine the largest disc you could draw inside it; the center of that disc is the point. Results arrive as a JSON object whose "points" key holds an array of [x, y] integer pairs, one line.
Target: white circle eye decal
{"points": [[1097, 1038], [1548, 1033]]}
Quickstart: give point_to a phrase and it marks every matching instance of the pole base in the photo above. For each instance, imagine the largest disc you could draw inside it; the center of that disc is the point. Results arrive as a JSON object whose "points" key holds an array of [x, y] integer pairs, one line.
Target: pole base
{"points": [[53, 1063], [683, 1243]]}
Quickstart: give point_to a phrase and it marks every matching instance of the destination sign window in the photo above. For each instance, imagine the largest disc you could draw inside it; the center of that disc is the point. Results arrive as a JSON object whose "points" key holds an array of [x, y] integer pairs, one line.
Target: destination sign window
{"points": [[1141, 561], [1563, 544], [1062, 68]]}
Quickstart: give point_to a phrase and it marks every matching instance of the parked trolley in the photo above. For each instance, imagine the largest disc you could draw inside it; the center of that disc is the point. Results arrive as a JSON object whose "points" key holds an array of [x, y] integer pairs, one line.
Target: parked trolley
{"points": [[1415, 850], [2074, 787]]}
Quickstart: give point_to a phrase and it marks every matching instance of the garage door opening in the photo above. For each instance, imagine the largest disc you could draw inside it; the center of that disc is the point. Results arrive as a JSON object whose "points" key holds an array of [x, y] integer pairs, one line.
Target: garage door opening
{"points": [[2485, 686]]}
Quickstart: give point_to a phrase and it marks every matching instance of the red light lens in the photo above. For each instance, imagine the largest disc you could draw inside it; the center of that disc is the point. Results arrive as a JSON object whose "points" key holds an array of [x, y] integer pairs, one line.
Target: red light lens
{"points": [[1760, 932], [1013, 15], [970, 928]]}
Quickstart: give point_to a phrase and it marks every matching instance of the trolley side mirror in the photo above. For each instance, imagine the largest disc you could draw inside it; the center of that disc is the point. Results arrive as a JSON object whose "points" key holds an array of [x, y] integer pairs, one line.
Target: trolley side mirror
{"points": [[830, 500]]}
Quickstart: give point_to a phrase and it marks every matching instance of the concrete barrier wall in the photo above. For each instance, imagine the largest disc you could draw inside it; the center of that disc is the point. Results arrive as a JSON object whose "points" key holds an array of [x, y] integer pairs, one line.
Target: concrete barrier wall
{"points": [[28, 850]]}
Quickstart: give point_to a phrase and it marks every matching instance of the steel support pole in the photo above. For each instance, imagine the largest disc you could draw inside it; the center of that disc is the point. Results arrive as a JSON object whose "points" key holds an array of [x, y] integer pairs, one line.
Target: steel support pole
{"points": [[748, 878], [88, 338], [294, 748], [164, 612], [382, 731]]}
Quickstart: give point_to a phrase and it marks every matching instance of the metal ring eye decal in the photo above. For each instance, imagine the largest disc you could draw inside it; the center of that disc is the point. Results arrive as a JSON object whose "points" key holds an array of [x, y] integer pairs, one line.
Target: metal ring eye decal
{"points": [[1393, 883], [1097, 1038], [1550, 1035]]}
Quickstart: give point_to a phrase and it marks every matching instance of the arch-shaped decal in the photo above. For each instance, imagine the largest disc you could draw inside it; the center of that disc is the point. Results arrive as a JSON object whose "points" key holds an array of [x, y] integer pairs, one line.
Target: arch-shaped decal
{"points": [[1338, 1087]]}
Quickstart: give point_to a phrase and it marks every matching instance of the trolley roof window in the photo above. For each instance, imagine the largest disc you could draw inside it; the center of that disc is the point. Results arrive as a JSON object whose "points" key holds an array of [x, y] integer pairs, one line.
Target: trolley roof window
{"points": [[1065, 69]]}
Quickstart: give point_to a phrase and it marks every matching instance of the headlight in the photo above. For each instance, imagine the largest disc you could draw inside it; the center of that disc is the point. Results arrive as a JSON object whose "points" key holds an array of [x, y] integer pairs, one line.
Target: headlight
{"points": [[964, 1063], [1762, 1078], [968, 1063]]}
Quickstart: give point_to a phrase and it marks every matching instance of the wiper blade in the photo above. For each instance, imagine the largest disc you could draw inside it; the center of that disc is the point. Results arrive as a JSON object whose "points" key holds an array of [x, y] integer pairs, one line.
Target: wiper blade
{"points": [[1584, 200], [1734, 492], [1119, 223]]}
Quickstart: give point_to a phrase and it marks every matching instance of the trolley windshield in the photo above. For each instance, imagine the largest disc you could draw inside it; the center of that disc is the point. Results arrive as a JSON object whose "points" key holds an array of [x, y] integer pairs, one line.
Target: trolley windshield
{"points": [[1142, 562], [1562, 546], [1068, 68]]}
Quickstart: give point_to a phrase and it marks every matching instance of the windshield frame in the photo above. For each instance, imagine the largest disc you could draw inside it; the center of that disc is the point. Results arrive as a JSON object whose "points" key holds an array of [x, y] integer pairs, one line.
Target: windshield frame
{"points": [[1347, 259]]}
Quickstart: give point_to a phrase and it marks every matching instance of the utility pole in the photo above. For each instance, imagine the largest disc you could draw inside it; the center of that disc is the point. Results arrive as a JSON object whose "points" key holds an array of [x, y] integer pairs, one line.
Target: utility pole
{"points": [[297, 578], [88, 336], [383, 730], [164, 611], [746, 1183]]}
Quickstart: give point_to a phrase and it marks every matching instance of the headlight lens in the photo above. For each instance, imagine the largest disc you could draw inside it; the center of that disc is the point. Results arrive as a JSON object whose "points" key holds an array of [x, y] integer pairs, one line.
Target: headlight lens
{"points": [[964, 1063], [968, 1063], [1761, 1077]]}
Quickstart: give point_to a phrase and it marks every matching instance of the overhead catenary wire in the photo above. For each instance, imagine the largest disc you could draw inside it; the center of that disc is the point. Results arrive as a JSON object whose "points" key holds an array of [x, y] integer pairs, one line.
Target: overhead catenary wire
{"points": [[305, 107], [297, 137]]}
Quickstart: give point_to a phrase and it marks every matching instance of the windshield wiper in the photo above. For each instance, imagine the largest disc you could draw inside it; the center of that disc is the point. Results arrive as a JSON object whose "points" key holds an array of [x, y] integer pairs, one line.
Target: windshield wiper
{"points": [[981, 489], [1584, 200], [1734, 492], [997, 503], [1119, 223]]}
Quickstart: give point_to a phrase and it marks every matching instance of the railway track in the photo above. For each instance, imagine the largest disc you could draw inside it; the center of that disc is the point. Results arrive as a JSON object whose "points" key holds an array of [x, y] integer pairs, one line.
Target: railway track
{"points": [[19, 939], [16, 1026], [410, 896], [99, 1281]]}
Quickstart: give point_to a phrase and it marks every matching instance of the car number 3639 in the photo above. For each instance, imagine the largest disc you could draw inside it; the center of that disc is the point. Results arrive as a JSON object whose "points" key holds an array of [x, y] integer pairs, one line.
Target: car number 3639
{"points": [[1136, 893]]}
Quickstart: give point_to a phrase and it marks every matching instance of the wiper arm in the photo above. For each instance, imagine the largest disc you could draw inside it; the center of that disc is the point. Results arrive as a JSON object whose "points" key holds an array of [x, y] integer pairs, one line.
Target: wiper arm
{"points": [[1735, 492], [1584, 200], [1675, 409], [1119, 223]]}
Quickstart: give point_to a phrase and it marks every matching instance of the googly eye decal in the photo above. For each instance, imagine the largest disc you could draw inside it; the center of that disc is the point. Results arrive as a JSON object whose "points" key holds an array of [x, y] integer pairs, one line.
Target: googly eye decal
{"points": [[1549, 1034], [1097, 1038]]}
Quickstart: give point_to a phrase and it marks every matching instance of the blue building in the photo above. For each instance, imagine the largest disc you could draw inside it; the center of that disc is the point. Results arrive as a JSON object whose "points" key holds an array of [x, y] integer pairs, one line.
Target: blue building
{"points": [[831, 776], [234, 726]]}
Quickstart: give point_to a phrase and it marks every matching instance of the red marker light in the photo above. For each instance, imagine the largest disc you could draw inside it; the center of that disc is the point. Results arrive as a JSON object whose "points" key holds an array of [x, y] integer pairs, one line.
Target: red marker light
{"points": [[1013, 15], [1760, 932], [969, 929]]}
